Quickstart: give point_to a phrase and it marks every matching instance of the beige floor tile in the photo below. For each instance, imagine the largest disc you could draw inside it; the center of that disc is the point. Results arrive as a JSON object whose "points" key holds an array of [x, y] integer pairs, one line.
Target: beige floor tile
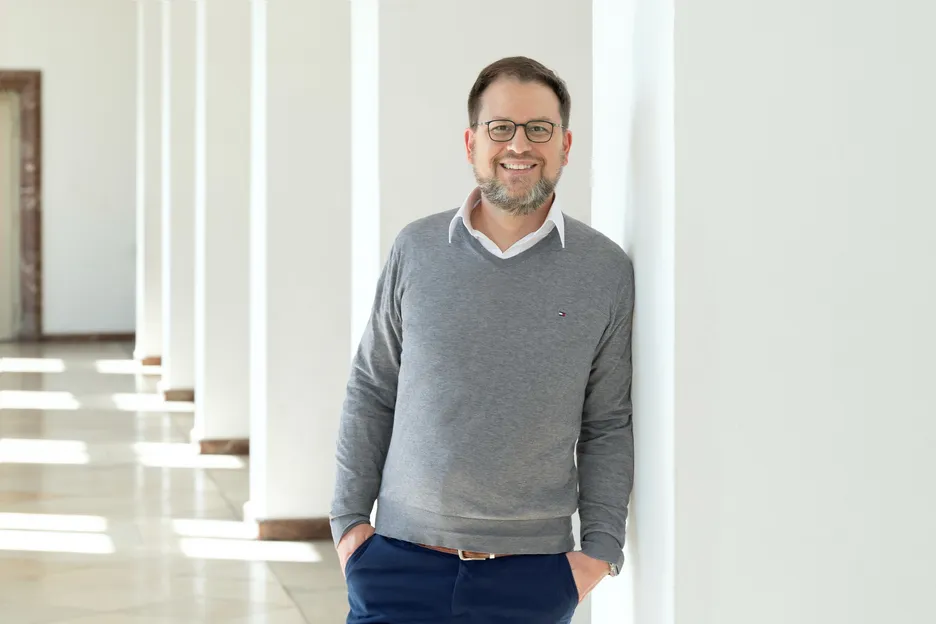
{"points": [[109, 516], [127, 587], [155, 565], [22, 568], [173, 505], [285, 616], [24, 613], [323, 607], [310, 576], [88, 599], [73, 351], [205, 609], [118, 618]]}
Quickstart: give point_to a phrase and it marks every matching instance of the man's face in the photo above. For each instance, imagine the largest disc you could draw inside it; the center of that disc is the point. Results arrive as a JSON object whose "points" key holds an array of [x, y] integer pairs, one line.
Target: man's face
{"points": [[518, 175]]}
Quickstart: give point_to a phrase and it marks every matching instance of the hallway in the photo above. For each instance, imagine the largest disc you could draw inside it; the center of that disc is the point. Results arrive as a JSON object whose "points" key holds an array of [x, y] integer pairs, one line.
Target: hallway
{"points": [[109, 516]]}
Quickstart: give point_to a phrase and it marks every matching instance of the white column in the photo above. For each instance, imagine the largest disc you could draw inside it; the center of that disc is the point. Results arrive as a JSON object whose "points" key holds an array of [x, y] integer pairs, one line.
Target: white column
{"points": [[149, 181], [222, 295], [632, 203], [178, 208], [300, 253]]}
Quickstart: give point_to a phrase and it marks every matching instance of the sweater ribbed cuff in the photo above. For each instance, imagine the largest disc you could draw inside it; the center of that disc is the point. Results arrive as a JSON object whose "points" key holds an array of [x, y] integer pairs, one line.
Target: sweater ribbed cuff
{"points": [[604, 547], [342, 524]]}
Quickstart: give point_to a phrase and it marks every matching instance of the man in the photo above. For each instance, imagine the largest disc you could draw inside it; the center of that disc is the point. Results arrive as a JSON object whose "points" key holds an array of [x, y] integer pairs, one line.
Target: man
{"points": [[499, 344]]}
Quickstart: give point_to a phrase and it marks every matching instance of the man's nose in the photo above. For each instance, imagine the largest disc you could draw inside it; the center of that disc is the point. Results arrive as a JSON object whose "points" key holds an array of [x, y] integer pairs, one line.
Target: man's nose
{"points": [[519, 143]]}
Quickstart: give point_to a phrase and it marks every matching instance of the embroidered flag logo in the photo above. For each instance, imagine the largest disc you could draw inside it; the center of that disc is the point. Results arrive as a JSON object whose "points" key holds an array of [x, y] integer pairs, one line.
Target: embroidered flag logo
{"points": [[561, 313]]}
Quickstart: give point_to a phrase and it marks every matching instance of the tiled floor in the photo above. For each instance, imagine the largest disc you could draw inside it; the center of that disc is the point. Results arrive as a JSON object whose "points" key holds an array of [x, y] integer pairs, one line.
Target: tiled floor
{"points": [[107, 516]]}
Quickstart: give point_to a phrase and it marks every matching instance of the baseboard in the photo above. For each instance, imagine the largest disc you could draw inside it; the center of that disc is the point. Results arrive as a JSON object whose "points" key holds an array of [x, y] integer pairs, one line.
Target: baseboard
{"points": [[225, 447], [294, 529], [288, 529], [151, 360], [115, 337], [176, 394]]}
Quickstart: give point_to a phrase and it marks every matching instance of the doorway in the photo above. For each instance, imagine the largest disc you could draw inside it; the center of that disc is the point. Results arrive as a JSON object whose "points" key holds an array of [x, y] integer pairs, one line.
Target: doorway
{"points": [[20, 206], [9, 216]]}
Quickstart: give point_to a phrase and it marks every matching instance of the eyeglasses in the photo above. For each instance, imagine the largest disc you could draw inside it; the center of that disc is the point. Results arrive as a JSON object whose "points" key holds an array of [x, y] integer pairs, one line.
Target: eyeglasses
{"points": [[503, 130]]}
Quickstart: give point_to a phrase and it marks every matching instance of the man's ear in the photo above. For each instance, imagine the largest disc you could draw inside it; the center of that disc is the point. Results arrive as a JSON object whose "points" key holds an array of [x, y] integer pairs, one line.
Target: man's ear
{"points": [[566, 146], [469, 144]]}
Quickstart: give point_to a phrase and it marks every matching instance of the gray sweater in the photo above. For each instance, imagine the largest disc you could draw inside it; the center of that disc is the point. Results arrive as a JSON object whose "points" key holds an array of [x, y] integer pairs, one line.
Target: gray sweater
{"points": [[477, 380]]}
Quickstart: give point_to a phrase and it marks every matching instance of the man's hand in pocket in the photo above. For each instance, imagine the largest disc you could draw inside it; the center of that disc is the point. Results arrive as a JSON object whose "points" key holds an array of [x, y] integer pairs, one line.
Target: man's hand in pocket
{"points": [[351, 541], [587, 572]]}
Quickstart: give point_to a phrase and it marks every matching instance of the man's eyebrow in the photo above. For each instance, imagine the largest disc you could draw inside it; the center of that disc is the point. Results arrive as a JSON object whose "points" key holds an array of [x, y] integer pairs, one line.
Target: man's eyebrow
{"points": [[505, 118]]}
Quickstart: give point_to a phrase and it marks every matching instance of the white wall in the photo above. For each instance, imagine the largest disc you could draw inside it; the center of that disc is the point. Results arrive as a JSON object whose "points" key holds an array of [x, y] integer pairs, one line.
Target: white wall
{"points": [[86, 52], [805, 300]]}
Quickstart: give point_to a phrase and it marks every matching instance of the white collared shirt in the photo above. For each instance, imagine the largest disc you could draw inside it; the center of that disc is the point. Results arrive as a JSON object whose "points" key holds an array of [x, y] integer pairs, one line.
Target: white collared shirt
{"points": [[553, 220]]}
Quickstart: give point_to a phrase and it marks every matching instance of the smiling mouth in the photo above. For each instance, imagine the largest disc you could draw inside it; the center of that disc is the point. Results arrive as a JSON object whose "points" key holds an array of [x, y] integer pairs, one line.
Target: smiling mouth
{"points": [[517, 167]]}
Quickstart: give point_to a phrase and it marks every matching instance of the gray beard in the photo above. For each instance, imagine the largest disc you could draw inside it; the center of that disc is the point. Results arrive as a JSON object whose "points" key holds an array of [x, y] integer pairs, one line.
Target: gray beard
{"points": [[498, 195]]}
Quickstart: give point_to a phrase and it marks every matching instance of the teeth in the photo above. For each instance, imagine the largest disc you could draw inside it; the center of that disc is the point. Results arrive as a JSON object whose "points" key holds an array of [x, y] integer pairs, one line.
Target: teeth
{"points": [[515, 166]]}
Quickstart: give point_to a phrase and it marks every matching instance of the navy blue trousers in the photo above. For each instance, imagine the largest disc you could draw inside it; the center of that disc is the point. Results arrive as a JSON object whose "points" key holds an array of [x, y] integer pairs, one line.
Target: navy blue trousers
{"points": [[396, 582]]}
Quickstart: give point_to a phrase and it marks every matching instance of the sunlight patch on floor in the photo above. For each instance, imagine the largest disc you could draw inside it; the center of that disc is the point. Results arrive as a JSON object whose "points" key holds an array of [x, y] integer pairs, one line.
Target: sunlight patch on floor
{"points": [[135, 402], [222, 529], [53, 522], [182, 455], [27, 451], [38, 399], [57, 542], [31, 365], [125, 367], [237, 550]]}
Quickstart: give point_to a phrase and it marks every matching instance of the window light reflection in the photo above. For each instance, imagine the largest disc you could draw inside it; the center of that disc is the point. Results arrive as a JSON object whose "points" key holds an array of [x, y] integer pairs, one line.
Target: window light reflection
{"points": [[182, 455], [31, 365], [38, 399], [125, 367], [130, 402], [28, 451], [52, 541], [228, 529], [53, 522], [237, 550]]}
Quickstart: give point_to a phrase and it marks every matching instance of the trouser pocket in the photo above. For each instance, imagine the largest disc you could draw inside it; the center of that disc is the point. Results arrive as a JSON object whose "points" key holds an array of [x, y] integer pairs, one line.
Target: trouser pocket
{"points": [[357, 554], [569, 580]]}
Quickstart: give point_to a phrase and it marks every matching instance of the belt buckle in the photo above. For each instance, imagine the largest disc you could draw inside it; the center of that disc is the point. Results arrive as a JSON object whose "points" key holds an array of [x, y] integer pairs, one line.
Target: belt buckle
{"points": [[461, 555]]}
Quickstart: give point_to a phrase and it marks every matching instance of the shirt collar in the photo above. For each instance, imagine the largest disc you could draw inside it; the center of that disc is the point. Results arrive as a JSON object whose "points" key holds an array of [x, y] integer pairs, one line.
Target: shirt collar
{"points": [[474, 198]]}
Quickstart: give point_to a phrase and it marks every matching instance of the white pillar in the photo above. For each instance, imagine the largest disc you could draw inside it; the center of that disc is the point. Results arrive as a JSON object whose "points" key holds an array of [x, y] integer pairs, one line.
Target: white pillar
{"points": [[222, 295], [632, 204], [300, 254], [149, 182], [178, 208]]}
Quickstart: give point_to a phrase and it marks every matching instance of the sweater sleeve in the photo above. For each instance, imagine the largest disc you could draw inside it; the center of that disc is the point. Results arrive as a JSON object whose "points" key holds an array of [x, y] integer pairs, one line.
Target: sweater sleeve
{"points": [[606, 441], [367, 413]]}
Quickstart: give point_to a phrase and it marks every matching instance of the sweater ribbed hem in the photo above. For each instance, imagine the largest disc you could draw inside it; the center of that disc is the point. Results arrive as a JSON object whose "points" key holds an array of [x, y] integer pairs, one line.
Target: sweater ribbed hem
{"points": [[515, 537]]}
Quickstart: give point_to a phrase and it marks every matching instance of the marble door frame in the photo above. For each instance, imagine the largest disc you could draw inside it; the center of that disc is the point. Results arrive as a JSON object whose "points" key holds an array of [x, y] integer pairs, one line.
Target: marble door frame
{"points": [[28, 85]]}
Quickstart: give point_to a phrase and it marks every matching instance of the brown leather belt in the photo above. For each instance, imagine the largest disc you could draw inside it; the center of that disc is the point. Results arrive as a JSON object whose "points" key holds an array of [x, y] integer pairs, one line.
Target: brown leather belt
{"points": [[466, 555]]}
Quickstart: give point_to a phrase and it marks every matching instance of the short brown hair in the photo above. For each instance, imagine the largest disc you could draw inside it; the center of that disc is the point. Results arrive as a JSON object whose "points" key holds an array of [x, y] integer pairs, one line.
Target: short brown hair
{"points": [[525, 70]]}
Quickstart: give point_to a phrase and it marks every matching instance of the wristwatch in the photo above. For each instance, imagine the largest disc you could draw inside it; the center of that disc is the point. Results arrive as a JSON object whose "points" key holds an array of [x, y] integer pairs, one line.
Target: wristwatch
{"points": [[613, 569]]}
